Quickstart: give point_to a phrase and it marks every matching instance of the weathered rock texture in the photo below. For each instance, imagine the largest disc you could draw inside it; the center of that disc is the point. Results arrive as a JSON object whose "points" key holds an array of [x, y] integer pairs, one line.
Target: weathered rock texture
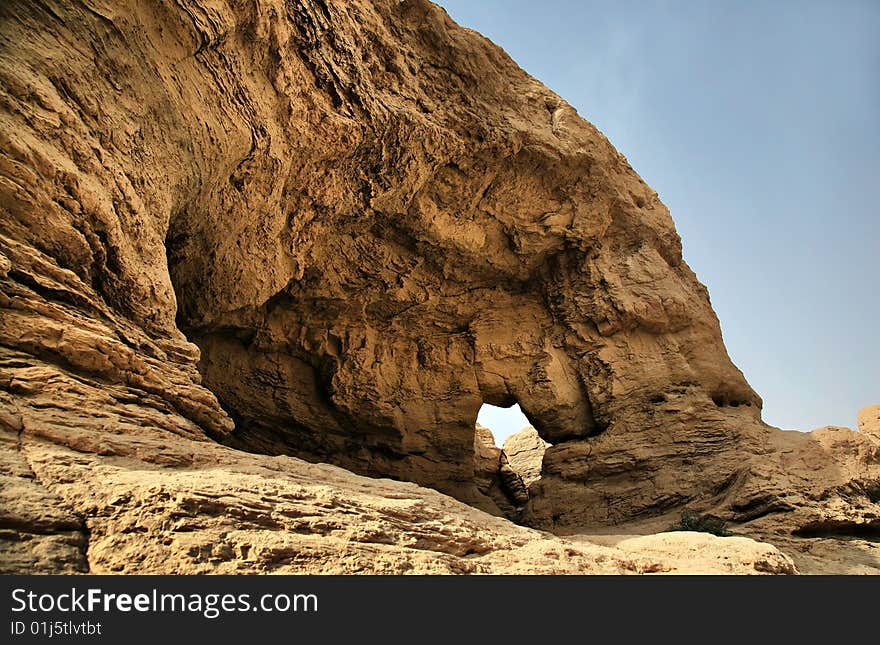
{"points": [[369, 221], [869, 421], [525, 454], [698, 553], [494, 476], [196, 507]]}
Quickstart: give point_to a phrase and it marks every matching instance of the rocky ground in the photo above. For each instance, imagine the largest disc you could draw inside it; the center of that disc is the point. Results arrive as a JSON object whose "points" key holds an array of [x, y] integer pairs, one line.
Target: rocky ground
{"points": [[102, 501], [197, 507]]}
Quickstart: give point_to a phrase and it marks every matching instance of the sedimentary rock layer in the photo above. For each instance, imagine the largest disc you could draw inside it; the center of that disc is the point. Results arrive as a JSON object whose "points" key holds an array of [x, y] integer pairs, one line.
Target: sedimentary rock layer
{"points": [[332, 230], [190, 507], [370, 221]]}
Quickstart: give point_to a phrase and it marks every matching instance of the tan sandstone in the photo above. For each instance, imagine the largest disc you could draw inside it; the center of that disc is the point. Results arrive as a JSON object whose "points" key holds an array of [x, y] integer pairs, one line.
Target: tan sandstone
{"points": [[330, 231], [525, 453], [197, 507]]}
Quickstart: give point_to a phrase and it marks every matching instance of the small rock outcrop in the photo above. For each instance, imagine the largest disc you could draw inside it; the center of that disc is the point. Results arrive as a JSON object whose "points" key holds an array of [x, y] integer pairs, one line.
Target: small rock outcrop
{"points": [[194, 507], [494, 476], [869, 421], [525, 453]]}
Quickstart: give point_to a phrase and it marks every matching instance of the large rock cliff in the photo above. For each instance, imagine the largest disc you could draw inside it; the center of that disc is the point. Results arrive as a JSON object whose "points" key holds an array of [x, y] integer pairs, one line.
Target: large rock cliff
{"points": [[333, 230]]}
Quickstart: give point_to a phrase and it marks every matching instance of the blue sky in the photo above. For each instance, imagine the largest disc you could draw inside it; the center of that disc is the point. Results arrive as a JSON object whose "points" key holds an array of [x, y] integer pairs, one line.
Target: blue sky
{"points": [[758, 123]]}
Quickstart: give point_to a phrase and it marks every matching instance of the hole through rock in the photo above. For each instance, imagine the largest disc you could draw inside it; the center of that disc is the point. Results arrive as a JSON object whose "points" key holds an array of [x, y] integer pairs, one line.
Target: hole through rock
{"points": [[503, 422]]}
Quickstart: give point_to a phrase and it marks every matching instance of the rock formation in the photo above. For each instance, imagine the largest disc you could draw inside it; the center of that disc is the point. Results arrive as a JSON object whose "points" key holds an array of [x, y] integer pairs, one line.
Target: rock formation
{"points": [[197, 507], [869, 421], [525, 453], [332, 230], [494, 477], [368, 219]]}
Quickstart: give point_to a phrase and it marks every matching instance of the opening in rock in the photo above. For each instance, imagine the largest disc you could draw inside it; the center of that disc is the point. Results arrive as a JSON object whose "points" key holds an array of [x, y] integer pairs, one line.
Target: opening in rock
{"points": [[493, 475], [503, 422], [505, 471]]}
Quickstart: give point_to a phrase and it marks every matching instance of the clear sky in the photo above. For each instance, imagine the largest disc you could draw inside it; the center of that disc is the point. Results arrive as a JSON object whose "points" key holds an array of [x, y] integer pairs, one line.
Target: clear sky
{"points": [[758, 123]]}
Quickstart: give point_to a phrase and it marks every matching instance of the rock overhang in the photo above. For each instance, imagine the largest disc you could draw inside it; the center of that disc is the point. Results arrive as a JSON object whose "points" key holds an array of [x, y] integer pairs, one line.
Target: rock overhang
{"points": [[370, 221]]}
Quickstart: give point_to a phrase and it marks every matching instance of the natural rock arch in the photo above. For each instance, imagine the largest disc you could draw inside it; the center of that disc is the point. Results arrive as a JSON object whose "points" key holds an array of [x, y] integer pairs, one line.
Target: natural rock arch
{"points": [[370, 221]]}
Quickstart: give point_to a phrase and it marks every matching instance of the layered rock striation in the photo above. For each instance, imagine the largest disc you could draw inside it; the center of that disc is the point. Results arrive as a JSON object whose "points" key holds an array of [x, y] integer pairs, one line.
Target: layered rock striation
{"points": [[369, 220], [333, 230]]}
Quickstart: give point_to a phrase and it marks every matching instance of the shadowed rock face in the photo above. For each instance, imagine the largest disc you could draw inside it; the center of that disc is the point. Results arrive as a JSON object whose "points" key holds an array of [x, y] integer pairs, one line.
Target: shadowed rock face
{"points": [[525, 453], [369, 221]]}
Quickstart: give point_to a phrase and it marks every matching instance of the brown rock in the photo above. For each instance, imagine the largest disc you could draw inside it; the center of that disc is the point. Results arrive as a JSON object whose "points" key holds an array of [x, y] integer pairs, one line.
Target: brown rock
{"points": [[38, 533], [189, 507], [807, 491], [369, 221], [869, 421], [513, 486], [687, 552], [494, 477], [525, 453], [487, 458]]}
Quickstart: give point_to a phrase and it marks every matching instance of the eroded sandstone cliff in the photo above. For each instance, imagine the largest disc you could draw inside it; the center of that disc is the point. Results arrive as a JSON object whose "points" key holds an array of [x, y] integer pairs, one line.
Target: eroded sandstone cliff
{"points": [[332, 230]]}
